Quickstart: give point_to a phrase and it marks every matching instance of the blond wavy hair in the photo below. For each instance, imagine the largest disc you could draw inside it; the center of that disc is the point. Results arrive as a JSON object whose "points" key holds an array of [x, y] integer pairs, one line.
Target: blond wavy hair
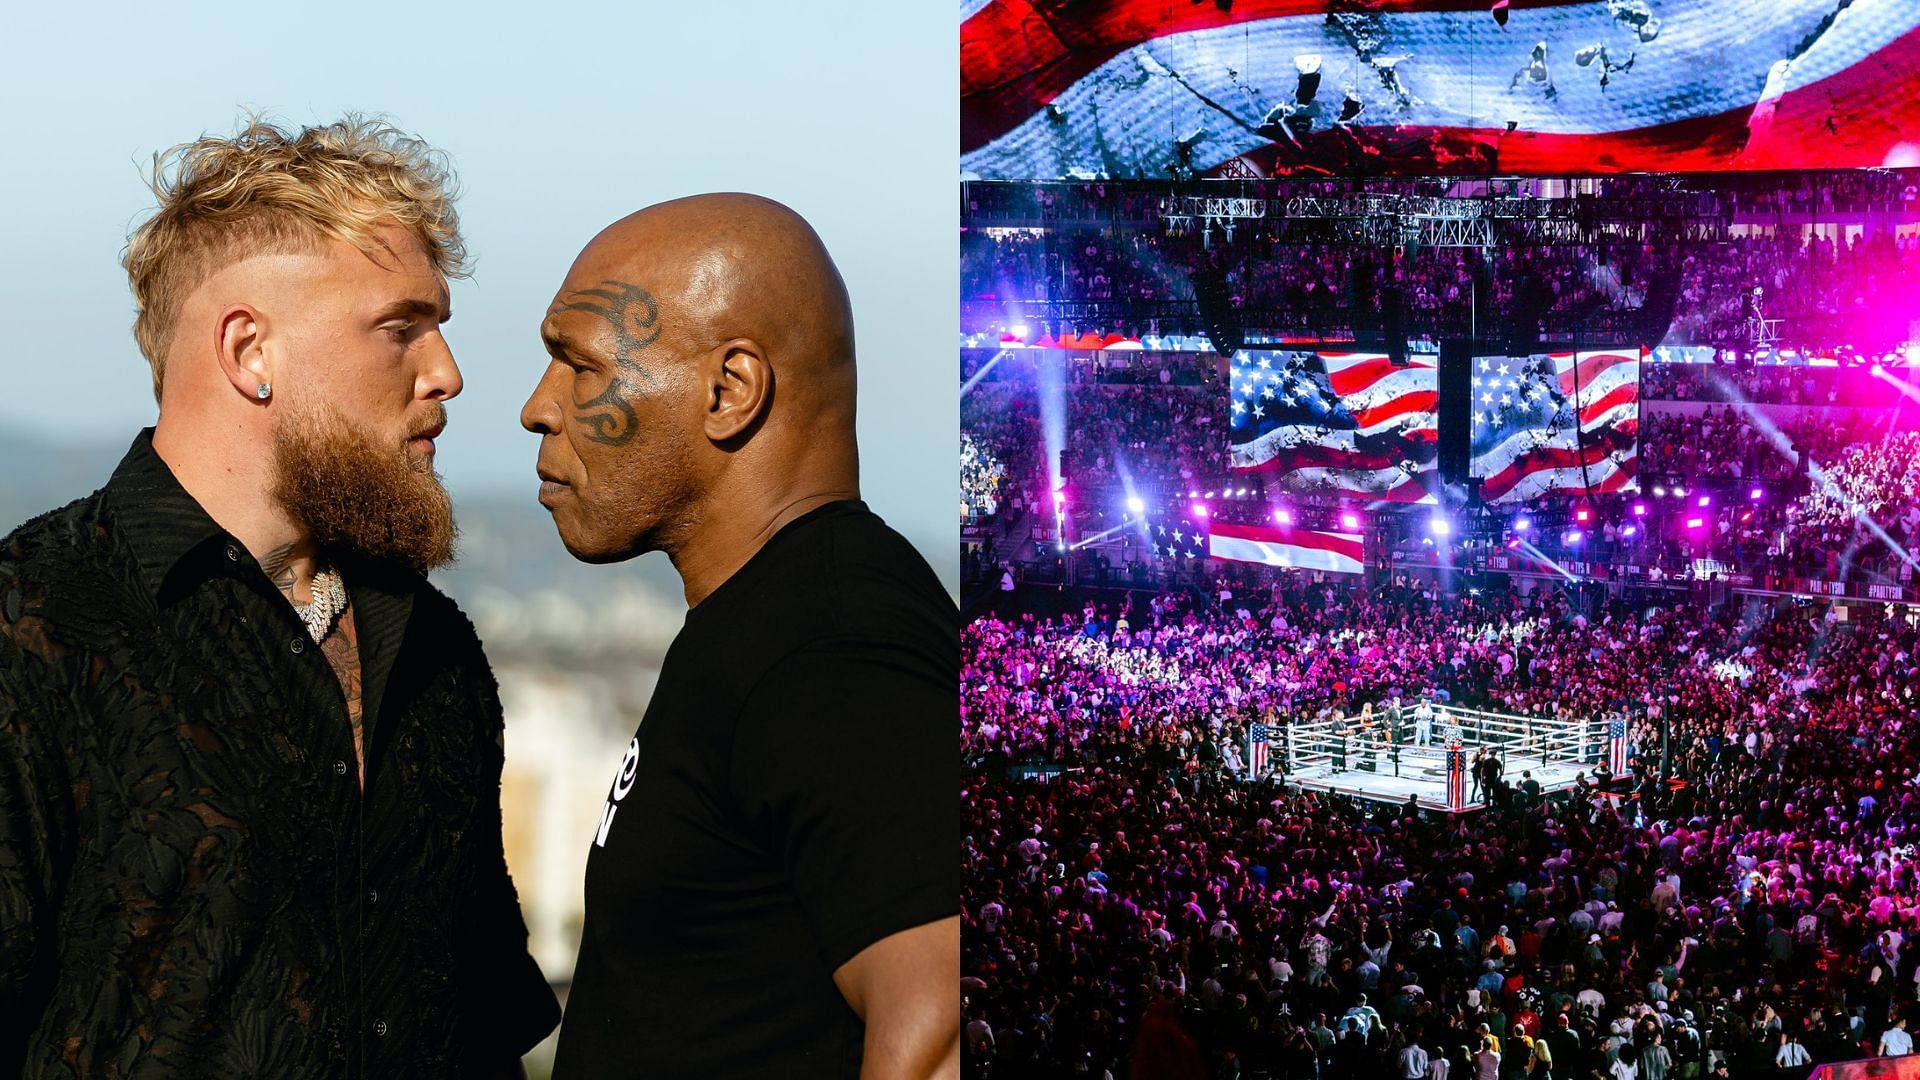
{"points": [[271, 191]]}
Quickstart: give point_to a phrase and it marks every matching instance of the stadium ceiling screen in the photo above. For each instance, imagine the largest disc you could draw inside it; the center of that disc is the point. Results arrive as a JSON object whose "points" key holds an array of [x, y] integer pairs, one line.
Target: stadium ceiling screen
{"points": [[1139, 89]]}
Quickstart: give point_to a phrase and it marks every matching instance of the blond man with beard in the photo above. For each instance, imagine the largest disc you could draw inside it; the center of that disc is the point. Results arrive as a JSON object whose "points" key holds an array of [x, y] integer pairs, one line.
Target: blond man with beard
{"points": [[249, 758]]}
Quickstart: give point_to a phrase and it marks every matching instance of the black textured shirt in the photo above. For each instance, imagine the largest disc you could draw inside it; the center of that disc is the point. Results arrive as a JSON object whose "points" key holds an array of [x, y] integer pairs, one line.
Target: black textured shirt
{"points": [[192, 882]]}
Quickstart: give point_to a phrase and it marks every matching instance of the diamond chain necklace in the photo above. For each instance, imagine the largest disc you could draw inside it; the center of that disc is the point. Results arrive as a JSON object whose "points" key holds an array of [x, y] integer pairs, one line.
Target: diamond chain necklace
{"points": [[329, 600]]}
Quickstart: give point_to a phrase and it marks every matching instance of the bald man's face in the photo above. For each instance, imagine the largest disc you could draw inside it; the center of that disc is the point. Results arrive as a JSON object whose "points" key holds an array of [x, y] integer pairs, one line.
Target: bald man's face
{"points": [[618, 413]]}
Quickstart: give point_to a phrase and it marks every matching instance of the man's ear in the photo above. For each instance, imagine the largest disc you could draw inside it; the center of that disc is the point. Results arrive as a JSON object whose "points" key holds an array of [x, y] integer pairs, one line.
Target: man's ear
{"points": [[739, 389], [240, 348]]}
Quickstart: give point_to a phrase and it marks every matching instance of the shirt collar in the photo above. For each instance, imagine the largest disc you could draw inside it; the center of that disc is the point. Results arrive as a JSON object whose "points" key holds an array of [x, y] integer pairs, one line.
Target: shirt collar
{"points": [[160, 522]]}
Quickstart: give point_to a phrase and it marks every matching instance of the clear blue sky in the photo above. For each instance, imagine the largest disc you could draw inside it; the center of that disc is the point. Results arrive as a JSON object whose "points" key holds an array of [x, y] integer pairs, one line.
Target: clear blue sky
{"points": [[559, 118]]}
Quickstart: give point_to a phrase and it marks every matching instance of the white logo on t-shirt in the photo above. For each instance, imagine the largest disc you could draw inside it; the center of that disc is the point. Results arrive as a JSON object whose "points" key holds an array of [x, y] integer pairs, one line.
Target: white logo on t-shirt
{"points": [[623, 783]]}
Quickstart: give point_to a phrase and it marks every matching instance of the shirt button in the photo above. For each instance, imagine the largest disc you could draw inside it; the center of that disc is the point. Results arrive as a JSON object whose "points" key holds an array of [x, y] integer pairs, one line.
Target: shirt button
{"points": [[373, 896], [380, 1027], [340, 768], [233, 553], [297, 646]]}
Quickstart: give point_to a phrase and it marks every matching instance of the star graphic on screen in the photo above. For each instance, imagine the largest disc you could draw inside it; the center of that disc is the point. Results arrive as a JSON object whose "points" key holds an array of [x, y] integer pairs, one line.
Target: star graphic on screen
{"points": [[1267, 392], [1266, 362]]}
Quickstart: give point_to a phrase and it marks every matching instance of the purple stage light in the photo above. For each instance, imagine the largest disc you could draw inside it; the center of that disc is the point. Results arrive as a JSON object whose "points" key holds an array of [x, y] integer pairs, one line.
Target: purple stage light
{"points": [[1639, 509], [1754, 494], [1350, 521], [1200, 510], [1705, 500], [1281, 517], [1696, 523], [1629, 530], [1521, 525], [1136, 504], [1573, 536]]}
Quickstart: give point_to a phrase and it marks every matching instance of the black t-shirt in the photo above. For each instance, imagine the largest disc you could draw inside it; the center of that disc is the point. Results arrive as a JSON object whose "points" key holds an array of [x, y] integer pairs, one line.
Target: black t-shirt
{"points": [[789, 800]]}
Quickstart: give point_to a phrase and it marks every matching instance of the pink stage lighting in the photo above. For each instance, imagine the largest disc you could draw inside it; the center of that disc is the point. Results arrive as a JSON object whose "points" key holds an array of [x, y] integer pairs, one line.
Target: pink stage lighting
{"points": [[1705, 500], [1580, 516], [1351, 521], [1629, 530], [1754, 494], [1639, 509], [1199, 509], [1696, 523], [1281, 517], [1521, 525]]}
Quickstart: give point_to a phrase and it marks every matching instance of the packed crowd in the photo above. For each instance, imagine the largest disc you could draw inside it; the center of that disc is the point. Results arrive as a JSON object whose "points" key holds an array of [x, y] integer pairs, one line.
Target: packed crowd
{"points": [[1878, 481], [1818, 287], [1155, 435], [981, 478], [1731, 442], [1146, 911], [1827, 294]]}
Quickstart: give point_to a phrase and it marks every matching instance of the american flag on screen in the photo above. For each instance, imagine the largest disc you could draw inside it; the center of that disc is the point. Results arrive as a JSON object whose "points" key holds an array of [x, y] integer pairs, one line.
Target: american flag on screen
{"points": [[1133, 88], [1617, 746], [1456, 777], [1351, 424], [1180, 534], [1558, 422], [1259, 740]]}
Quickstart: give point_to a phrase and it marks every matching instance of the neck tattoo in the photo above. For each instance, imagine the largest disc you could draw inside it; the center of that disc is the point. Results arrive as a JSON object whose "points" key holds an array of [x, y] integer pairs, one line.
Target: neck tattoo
{"points": [[329, 600]]}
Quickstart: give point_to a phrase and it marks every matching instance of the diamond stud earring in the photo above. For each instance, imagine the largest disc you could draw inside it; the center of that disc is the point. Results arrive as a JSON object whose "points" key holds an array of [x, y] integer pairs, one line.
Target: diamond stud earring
{"points": [[265, 391]]}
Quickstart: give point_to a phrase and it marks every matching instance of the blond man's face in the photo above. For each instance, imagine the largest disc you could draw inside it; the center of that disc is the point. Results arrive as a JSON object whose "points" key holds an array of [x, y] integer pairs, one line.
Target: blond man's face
{"points": [[364, 337]]}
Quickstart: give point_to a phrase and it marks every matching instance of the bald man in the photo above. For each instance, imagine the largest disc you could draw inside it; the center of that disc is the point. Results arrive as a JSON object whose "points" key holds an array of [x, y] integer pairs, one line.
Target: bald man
{"points": [[773, 886]]}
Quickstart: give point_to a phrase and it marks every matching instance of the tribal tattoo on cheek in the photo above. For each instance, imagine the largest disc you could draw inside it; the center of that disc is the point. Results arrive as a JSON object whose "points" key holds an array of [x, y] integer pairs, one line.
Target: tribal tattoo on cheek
{"points": [[635, 318]]}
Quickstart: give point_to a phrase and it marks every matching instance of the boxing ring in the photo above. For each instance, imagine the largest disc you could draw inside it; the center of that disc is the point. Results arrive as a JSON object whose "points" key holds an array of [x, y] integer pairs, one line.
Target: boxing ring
{"points": [[1433, 763]]}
